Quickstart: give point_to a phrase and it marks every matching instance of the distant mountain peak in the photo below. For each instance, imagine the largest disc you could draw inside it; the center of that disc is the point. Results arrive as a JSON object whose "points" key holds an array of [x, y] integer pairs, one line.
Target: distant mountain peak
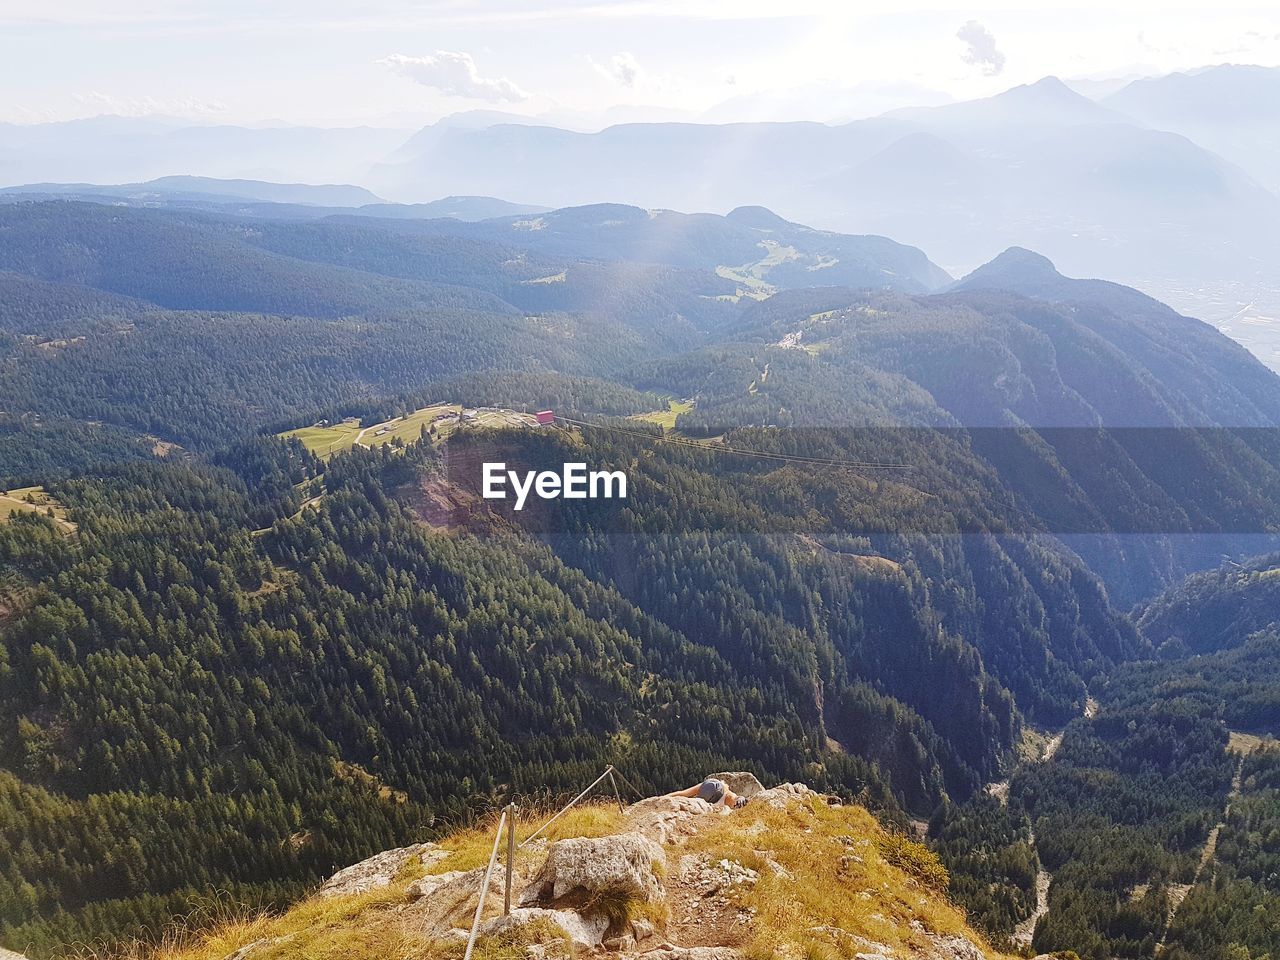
{"points": [[1020, 259], [762, 218], [1050, 93], [1046, 101], [1017, 269]]}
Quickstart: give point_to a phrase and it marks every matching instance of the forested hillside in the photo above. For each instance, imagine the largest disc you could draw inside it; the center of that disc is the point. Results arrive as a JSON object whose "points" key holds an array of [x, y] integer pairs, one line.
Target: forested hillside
{"points": [[878, 538]]}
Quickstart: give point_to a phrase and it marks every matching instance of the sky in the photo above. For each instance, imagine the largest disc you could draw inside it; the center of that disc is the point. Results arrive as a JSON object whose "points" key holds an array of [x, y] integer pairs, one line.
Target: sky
{"points": [[583, 63]]}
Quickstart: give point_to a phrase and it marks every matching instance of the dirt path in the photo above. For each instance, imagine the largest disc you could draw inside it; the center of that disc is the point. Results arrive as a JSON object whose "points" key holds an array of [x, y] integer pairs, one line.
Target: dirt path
{"points": [[706, 910], [1178, 891]]}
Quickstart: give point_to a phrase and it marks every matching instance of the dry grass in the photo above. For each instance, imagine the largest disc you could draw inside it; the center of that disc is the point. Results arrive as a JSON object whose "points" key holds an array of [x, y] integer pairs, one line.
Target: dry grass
{"points": [[356, 927], [1245, 743], [363, 927], [665, 418], [826, 876], [842, 877], [469, 848], [33, 500]]}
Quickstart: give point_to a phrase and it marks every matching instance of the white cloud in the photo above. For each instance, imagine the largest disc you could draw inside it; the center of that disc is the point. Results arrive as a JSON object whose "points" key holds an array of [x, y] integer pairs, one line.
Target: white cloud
{"points": [[454, 73], [106, 103], [622, 68], [980, 48]]}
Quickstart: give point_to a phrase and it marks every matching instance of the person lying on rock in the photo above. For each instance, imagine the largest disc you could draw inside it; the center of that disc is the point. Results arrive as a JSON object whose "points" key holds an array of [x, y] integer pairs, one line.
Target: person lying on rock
{"points": [[713, 791]]}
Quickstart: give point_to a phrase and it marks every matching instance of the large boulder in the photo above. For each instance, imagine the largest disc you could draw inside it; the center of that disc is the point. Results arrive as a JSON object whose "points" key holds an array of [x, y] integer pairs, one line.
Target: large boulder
{"points": [[740, 782], [584, 931], [668, 819], [442, 902], [10, 955], [943, 947], [379, 870], [784, 795], [585, 867]]}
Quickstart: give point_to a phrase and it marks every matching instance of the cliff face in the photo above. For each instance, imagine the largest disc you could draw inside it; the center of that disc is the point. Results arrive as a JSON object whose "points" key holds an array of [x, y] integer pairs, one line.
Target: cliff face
{"points": [[791, 875]]}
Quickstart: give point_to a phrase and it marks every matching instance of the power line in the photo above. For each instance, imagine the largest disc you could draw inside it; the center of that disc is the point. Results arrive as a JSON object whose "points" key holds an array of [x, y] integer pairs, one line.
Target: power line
{"points": [[741, 451]]}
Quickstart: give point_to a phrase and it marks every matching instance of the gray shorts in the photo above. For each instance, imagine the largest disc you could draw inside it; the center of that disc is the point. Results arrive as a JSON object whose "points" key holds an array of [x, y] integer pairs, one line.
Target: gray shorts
{"points": [[712, 790]]}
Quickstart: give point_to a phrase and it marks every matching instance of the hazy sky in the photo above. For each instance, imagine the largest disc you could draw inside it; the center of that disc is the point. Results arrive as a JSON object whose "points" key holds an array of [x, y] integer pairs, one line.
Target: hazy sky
{"points": [[403, 62]]}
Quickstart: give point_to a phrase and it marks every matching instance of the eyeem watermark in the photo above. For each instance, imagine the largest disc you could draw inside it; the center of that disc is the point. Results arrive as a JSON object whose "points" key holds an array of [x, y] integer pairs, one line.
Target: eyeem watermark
{"points": [[573, 482]]}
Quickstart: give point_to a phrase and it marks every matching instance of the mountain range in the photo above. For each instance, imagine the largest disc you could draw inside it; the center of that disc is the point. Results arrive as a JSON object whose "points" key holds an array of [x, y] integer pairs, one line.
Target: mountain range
{"points": [[1167, 184]]}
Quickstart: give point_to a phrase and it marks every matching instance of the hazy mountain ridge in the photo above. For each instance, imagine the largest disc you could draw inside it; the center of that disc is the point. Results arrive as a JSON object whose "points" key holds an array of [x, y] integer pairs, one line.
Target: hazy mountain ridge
{"points": [[1229, 109]]}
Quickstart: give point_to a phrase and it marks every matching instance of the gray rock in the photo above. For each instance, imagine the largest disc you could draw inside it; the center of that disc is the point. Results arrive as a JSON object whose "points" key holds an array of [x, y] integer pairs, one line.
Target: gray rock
{"points": [[379, 870], [740, 782], [623, 944], [442, 902], [10, 955], [642, 929], [668, 819], [784, 795], [584, 931], [619, 864], [667, 952], [943, 947]]}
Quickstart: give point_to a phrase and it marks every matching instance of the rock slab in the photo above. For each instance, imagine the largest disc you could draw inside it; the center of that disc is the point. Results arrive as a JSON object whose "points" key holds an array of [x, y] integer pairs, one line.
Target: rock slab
{"points": [[583, 931], [622, 864], [379, 870]]}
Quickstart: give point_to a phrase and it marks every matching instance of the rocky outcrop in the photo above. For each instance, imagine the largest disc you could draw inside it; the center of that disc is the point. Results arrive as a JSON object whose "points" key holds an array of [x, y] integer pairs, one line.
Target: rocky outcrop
{"points": [[440, 903], [941, 947], [740, 782], [701, 899], [669, 819], [584, 931], [586, 867], [783, 795], [10, 955], [379, 870]]}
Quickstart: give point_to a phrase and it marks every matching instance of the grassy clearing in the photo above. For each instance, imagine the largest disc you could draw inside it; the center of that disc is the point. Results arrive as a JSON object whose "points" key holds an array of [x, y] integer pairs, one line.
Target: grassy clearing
{"points": [[748, 285], [33, 500], [554, 278], [1031, 748], [325, 441], [666, 419], [328, 440], [1243, 743]]}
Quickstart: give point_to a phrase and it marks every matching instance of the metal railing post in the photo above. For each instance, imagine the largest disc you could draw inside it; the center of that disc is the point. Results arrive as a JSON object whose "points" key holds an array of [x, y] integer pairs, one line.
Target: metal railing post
{"points": [[616, 792], [511, 856], [484, 887]]}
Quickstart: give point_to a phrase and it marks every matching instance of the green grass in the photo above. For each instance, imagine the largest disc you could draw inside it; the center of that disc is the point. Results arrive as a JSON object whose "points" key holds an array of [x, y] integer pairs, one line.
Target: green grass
{"points": [[32, 500], [1244, 743], [554, 278], [666, 418], [324, 442], [407, 428]]}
